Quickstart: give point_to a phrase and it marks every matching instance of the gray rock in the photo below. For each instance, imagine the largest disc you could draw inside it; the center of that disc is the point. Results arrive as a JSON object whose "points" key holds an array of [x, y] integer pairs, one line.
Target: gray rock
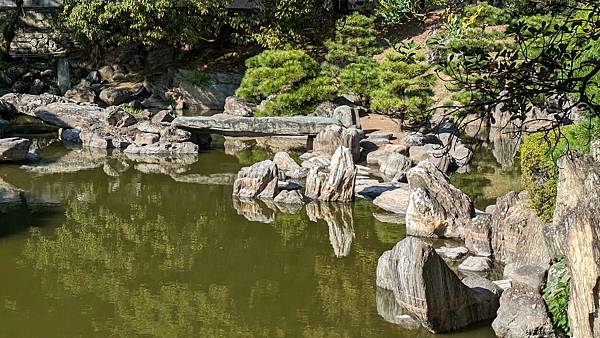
{"points": [[319, 162], [208, 95], [144, 139], [258, 180], [328, 140], [475, 264], [82, 93], [9, 195], [338, 184], [325, 109], [285, 162], [430, 291], [348, 116], [372, 189], [115, 96], [372, 144], [174, 135], [595, 150], [394, 167], [117, 117], [163, 116], [478, 235], [395, 201], [238, 107], [453, 253], [416, 139], [70, 115], [433, 153], [299, 173], [375, 157], [290, 197], [12, 103], [14, 149], [70, 137], [461, 154], [436, 208]]}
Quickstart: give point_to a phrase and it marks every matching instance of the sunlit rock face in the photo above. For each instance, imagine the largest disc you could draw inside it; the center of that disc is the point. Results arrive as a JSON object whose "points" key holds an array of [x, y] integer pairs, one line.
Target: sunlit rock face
{"points": [[430, 291], [436, 208], [337, 185], [258, 180], [334, 136]]}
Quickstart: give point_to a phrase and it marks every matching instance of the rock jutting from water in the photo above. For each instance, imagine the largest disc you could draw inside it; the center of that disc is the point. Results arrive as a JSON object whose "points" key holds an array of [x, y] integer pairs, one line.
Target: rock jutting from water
{"points": [[14, 149], [259, 180], [430, 291], [336, 185]]}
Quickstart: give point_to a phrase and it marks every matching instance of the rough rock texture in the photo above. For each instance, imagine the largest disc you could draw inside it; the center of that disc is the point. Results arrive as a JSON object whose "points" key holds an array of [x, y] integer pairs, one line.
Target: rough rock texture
{"points": [[69, 115], [208, 94], [9, 194], [290, 197], [394, 167], [336, 185], [577, 209], [595, 150], [328, 140], [253, 210], [475, 264], [258, 180], [453, 253], [430, 291], [163, 148], [14, 149], [478, 235], [115, 96], [436, 208], [117, 117], [522, 312], [255, 126], [348, 116], [517, 232], [238, 107], [371, 189], [395, 201], [433, 153], [285, 162], [12, 104], [375, 157]]}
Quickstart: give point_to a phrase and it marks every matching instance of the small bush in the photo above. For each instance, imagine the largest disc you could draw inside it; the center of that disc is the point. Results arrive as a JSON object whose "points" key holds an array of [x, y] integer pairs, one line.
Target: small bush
{"points": [[360, 79], [397, 11], [556, 297], [486, 14], [539, 153], [300, 101]]}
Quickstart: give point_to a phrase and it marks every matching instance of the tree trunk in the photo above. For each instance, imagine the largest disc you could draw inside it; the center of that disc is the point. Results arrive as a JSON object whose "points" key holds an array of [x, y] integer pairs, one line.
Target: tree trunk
{"points": [[8, 32]]}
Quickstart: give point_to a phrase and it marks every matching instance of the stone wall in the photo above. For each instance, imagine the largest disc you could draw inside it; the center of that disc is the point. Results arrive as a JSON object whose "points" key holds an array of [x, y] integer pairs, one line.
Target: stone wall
{"points": [[39, 32]]}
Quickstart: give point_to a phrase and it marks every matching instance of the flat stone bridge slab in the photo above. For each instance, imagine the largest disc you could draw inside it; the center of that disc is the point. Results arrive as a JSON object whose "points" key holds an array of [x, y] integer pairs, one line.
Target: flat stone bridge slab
{"points": [[237, 126]]}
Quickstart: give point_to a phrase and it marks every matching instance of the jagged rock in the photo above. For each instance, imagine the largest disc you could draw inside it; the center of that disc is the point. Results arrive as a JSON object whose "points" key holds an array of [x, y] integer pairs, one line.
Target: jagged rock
{"points": [[348, 116], [394, 167], [325, 109], [517, 232], [371, 189], [299, 173], [115, 96], [338, 184], [478, 235], [475, 264], [163, 116], [105, 139], [595, 150], [395, 201], [12, 103], [14, 149], [328, 140], [290, 197], [522, 311], [578, 211], [258, 180], [375, 157], [174, 135], [436, 208], [461, 154], [163, 148], [117, 117], [433, 153], [82, 93], [430, 291], [285, 162], [416, 139], [238, 107], [320, 161], [144, 139], [453, 253]]}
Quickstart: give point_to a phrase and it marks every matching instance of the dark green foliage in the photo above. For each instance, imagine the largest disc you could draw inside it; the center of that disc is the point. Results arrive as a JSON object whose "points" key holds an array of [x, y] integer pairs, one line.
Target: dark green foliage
{"points": [[397, 11], [275, 71], [405, 89], [355, 42], [301, 101], [539, 153], [360, 79], [556, 296], [487, 14]]}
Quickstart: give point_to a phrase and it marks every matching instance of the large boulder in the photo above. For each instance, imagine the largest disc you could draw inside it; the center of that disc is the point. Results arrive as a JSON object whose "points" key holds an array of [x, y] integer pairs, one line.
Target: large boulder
{"points": [[12, 103], [430, 291], [334, 136], [285, 162], [238, 107], [395, 201], [258, 180], [82, 93], [434, 153], [394, 167], [384, 151], [522, 312], [436, 208], [348, 116], [578, 211], [517, 234], [478, 235], [14, 149], [69, 115], [338, 184]]}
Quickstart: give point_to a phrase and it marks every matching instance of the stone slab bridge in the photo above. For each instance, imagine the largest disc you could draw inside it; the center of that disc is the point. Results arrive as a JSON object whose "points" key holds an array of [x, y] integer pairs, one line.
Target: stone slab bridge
{"points": [[236, 126]]}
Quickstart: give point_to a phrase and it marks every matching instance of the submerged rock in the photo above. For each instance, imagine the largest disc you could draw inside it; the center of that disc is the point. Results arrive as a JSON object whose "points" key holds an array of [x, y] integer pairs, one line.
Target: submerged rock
{"points": [[14, 149], [430, 291], [435, 208]]}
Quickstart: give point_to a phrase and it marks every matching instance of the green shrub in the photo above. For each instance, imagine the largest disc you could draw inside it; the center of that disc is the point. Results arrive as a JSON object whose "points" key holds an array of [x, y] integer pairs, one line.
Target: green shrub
{"points": [[360, 79], [302, 100], [487, 14], [556, 296], [405, 89], [397, 11], [275, 71], [539, 153]]}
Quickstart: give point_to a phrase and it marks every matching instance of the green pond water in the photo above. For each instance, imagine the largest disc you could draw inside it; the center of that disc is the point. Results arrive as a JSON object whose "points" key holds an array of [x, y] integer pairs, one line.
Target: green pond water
{"points": [[163, 250]]}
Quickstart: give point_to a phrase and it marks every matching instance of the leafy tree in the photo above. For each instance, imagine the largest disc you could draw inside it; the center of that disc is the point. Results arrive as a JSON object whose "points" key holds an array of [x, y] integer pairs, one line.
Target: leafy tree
{"points": [[397, 11], [405, 89], [360, 79]]}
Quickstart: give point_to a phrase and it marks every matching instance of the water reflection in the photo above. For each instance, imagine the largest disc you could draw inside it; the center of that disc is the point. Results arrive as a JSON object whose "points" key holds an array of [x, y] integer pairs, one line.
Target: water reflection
{"points": [[340, 221]]}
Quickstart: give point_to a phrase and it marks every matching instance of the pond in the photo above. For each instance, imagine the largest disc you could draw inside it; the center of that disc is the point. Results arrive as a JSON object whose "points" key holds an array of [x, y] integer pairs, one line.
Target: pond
{"points": [[124, 248]]}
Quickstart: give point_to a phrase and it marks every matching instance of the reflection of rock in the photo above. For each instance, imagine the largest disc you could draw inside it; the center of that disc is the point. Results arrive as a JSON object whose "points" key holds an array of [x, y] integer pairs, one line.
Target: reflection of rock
{"points": [[164, 148], [389, 217], [9, 194], [114, 167], [170, 165], [436, 208], [392, 312], [253, 211], [505, 146], [212, 179], [14, 149], [340, 221], [72, 161], [425, 286]]}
